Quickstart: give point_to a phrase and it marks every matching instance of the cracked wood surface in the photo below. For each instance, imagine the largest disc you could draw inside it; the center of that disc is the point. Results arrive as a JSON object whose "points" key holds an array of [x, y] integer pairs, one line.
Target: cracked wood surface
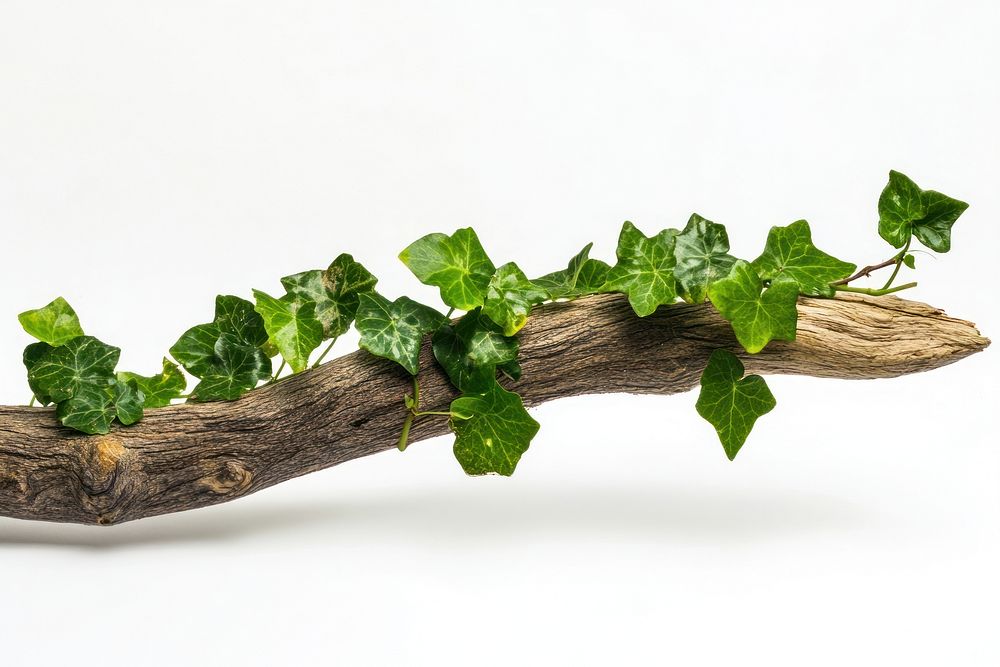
{"points": [[194, 455]]}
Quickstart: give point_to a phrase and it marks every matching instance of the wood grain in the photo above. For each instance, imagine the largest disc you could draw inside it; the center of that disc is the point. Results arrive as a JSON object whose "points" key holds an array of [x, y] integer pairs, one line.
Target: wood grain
{"points": [[194, 455]]}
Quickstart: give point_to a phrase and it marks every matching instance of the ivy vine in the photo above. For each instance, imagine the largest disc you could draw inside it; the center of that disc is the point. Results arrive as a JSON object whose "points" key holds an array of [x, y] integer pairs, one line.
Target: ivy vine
{"points": [[237, 350]]}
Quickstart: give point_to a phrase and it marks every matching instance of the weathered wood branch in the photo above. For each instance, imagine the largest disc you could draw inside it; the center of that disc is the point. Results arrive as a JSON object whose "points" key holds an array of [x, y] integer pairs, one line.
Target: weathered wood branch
{"points": [[194, 455]]}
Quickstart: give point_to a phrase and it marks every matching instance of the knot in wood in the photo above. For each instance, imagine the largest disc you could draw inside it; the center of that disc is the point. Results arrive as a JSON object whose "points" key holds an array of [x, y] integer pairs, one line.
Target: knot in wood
{"points": [[234, 478]]}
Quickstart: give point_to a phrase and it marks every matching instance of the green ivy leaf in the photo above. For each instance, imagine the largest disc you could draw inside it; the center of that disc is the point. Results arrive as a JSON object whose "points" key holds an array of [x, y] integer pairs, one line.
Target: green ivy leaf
{"points": [[236, 369], [510, 297], [55, 324], [457, 264], [128, 401], [158, 390], [471, 350], [292, 327], [702, 254], [730, 402], [33, 354], [645, 269], [396, 329], [196, 348], [904, 210], [61, 372], [91, 410], [334, 291], [492, 431], [910, 261], [237, 316], [581, 277], [756, 318], [790, 251]]}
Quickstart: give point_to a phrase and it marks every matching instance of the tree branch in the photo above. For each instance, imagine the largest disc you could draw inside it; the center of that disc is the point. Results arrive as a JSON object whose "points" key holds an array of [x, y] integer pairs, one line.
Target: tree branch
{"points": [[194, 455]]}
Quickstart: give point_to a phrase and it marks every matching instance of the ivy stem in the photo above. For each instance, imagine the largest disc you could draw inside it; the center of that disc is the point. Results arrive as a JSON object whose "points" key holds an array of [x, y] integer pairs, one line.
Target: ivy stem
{"points": [[278, 372], [31, 403], [899, 263], [865, 272], [413, 412], [450, 312], [405, 435], [874, 292], [325, 352]]}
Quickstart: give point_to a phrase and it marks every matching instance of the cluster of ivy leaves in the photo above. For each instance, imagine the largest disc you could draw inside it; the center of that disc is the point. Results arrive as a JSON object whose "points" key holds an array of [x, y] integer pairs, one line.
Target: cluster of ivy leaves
{"points": [[235, 352]]}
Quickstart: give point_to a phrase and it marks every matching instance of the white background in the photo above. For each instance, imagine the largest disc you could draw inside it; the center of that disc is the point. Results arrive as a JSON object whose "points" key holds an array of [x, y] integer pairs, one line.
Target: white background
{"points": [[155, 154]]}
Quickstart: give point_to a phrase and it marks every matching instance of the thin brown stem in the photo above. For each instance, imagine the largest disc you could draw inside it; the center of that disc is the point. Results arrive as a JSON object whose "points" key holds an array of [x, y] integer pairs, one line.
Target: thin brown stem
{"points": [[866, 272]]}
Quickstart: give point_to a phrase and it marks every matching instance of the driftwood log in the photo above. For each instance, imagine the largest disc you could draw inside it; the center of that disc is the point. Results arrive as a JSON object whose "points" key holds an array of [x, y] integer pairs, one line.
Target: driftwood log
{"points": [[194, 455]]}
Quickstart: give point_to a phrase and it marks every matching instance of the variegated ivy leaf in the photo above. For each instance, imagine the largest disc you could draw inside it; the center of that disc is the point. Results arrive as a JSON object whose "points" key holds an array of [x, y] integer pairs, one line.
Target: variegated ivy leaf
{"points": [[471, 350], [645, 269], [790, 251], [396, 329], [492, 431], [702, 254], [158, 390], [904, 210], [456, 264], [510, 297], [292, 327], [757, 317], [730, 402], [581, 277], [55, 324], [335, 292]]}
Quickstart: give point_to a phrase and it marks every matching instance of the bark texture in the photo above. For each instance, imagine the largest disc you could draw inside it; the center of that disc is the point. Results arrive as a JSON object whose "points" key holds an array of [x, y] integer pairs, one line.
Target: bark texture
{"points": [[194, 455]]}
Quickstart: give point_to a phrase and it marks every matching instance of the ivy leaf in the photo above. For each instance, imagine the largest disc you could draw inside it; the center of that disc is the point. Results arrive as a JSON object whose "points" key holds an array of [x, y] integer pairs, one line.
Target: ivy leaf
{"points": [[511, 369], [910, 261], [237, 316], [904, 210], [33, 354], [934, 229], [730, 402], [492, 431], [91, 410], [790, 251], [291, 326], [582, 276], [55, 324], [395, 329], [334, 291], [236, 368], [645, 269], [756, 318], [61, 372], [457, 264], [702, 254], [158, 390], [510, 297], [128, 401], [196, 348], [470, 352]]}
